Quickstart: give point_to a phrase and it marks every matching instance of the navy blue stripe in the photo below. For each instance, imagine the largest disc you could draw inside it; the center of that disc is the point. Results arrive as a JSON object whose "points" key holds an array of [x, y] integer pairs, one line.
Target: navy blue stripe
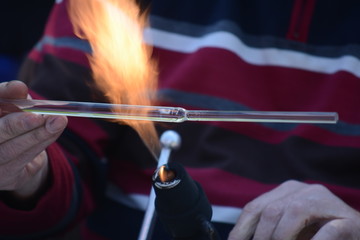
{"points": [[254, 15], [68, 42], [332, 23], [265, 41], [209, 102]]}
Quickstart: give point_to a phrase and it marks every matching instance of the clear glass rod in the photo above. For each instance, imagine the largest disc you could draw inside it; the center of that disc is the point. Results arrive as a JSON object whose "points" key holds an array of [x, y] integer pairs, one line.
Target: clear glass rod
{"points": [[159, 113]]}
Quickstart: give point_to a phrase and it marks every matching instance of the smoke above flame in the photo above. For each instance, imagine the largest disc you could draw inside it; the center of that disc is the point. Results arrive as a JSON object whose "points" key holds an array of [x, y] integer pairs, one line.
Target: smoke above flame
{"points": [[120, 61]]}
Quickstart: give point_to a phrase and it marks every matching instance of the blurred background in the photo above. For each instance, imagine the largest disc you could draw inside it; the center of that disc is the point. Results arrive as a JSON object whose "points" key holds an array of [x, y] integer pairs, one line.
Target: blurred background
{"points": [[21, 26]]}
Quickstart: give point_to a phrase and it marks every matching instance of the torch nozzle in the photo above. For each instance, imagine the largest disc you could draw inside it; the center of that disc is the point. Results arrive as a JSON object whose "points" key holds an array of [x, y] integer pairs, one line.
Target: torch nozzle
{"points": [[166, 174]]}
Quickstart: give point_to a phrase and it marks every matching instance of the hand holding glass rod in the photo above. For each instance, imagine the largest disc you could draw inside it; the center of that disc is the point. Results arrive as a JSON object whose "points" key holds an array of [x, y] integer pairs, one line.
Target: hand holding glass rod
{"points": [[162, 114]]}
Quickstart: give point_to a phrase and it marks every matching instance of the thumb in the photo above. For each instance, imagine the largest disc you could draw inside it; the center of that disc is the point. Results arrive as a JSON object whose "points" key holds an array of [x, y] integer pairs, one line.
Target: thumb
{"points": [[13, 89], [337, 229]]}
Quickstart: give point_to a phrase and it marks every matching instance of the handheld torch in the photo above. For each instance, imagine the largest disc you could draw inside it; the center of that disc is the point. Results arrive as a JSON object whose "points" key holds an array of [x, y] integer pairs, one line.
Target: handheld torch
{"points": [[182, 205], [177, 200]]}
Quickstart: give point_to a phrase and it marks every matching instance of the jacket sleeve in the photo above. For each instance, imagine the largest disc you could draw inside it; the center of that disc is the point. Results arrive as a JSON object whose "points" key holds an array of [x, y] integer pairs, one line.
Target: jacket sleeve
{"points": [[76, 183], [56, 208], [57, 69]]}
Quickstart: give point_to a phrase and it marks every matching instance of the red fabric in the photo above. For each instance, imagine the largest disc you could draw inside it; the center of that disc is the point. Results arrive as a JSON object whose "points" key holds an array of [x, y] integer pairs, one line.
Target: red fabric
{"points": [[88, 130], [59, 24], [57, 198], [300, 20], [289, 89]]}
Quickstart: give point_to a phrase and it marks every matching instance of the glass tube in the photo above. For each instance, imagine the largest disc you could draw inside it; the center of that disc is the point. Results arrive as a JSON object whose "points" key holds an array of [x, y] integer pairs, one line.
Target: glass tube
{"points": [[162, 113]]}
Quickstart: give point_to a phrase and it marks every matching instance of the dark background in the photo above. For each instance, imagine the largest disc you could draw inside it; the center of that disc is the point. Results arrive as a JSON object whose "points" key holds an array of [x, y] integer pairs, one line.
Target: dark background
{"points": [[21, 25]]}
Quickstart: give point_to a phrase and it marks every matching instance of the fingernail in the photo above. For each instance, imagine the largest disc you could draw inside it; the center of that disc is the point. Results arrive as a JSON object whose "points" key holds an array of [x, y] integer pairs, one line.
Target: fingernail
{"points": [[4, 84], [8, 83], [56, 124]]}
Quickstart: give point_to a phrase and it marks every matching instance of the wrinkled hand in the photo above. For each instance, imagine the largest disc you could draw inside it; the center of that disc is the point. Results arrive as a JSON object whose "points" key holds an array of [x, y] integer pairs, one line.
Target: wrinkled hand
{"points": [[23, 139], [300, 211]]}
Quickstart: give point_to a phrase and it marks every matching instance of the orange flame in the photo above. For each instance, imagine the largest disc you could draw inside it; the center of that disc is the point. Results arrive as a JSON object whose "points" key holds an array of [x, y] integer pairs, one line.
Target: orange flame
{"points": [[165, 174], [120, 61]]}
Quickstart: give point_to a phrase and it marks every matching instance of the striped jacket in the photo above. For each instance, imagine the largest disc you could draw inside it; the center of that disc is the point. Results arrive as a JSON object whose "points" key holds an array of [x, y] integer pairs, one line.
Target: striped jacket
{"points": [[224, 55]]}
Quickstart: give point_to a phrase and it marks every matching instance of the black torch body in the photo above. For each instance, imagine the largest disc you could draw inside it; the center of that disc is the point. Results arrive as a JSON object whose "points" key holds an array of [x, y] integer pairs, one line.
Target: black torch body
{"points": [[182, 205]]}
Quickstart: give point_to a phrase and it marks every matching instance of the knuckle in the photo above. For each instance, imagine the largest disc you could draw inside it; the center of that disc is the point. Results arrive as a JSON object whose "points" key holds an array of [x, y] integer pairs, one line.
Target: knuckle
{"points": [[271, 213], [252, 208], [8, 128], [8, 151], [317, 188], [296, 207], [314, 193], [277, 236], [15, 124], [34, 166], [38, 135], [292, 184]]}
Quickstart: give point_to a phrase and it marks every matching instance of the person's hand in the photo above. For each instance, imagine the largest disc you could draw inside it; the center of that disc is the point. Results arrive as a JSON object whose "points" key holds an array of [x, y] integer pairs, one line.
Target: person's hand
{"points": [[23, 139], [300, 211]]}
